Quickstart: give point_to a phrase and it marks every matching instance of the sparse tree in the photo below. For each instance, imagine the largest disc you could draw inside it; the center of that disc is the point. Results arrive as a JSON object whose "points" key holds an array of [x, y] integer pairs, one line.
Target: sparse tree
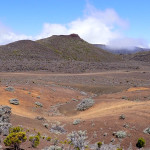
{"points": [[15, 138]]}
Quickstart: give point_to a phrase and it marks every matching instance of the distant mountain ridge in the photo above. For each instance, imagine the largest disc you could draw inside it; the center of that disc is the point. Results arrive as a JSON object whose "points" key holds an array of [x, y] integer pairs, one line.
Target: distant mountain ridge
{"points": [[121, 50], [56, 53]]}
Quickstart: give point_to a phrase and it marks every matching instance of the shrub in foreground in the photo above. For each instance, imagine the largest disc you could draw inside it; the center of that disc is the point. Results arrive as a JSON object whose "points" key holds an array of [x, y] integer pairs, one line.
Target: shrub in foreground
{"points": [[141, 143], [15, 138], [99, 144], [35, 140]]}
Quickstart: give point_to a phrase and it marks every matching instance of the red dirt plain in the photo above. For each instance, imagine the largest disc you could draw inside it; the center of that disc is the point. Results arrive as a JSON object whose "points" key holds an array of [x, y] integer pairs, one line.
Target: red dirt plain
{"points": [[118, 92]]}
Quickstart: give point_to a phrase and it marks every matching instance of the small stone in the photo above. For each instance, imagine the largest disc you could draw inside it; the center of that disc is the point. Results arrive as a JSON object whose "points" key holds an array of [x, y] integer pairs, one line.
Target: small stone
{"points": [[122, 117], [105, 134], [73, 99], [46, 125], [126, 125], [93, 124], [120, 134], [83, 93], [112, 140], [94, 134], [40, 118], [38, 97], [147, 130], [10, 89], [124, 97], [39, 104], [76, 121]]}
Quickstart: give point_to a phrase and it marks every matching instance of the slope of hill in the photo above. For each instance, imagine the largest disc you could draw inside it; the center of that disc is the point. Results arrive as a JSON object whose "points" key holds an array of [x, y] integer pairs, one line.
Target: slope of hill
{"points": [[26, 49], [64, 53], [72, 47], [141, 56]]}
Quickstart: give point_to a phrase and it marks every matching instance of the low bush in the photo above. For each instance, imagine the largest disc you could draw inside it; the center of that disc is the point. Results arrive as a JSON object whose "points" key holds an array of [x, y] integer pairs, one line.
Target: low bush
{"points": [[99, 144], [15, 138], [141, 143], [35, 140]]}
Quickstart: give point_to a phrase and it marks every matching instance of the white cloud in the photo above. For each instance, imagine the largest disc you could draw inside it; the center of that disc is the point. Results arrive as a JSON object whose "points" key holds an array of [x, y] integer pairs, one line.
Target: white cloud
{"points": [[7, 36], [96, 26], [128, 43]]}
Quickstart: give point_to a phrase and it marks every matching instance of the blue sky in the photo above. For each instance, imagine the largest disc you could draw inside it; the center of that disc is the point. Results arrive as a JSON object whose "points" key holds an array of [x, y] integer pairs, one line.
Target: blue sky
{"points": [[97, 21]]}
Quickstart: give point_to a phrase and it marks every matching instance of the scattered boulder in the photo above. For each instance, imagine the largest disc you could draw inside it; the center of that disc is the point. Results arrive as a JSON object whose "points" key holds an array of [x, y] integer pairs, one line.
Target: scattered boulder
{"points": [[57, 128], [5, 112], [122, 117], [10, 89], [112, 140], [39, 104], [95, 134], [76, 121], [105, 134], [40, 118], [147, 130], [14, 101], [120, 134], [38, 97], [46, 125], [53, 147], [85, 104], [83, 93], [126, 126], [124, 97], [73, 99], [109, 146]]}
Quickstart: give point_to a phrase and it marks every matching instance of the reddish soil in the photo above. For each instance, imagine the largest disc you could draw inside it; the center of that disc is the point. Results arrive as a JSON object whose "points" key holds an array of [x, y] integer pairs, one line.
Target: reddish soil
{"points": [[118, 92]]}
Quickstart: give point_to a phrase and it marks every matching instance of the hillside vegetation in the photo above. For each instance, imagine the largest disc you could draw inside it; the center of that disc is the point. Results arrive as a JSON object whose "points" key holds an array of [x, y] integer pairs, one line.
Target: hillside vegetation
{"points": [[72, 47], [141, 56], [56, 54]]}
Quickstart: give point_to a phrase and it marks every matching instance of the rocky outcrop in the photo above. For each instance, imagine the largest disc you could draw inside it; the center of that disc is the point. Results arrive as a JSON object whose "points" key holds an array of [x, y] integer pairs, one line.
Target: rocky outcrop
{"points": [[5, 112]]}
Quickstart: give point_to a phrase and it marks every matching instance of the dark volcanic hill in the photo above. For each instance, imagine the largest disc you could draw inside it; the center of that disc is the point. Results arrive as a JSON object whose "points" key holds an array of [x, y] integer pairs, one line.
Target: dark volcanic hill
{"points": [[72, 47], [64, 53]]}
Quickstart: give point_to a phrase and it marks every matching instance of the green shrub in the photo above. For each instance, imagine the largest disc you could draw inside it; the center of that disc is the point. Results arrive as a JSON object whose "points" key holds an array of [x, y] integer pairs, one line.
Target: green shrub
{"points": [[119, 148], [15, 129], [48, 138], [35, 140], [15, 138], [39, 134], [99, 144], [141, 143]]}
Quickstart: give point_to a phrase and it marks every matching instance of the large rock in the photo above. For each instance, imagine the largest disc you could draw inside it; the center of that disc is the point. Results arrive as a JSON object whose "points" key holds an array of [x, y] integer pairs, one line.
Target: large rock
{"points": [[147, 130], [120, 134], [39, 104], [10, 89], [14, 101], [85, 104], [5, 112]]}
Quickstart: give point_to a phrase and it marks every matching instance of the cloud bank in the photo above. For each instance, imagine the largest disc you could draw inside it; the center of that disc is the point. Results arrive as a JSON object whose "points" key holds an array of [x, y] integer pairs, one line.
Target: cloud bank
{"points": [[95, 26], [7, 36]]}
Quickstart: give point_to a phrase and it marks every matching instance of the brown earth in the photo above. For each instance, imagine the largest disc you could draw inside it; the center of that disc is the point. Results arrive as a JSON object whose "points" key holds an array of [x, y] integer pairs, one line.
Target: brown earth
{"points": [[118, 92]]}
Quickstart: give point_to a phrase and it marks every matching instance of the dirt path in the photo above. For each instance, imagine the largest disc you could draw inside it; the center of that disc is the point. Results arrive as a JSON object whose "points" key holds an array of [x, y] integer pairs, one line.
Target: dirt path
{"points": [[66, 74]]}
